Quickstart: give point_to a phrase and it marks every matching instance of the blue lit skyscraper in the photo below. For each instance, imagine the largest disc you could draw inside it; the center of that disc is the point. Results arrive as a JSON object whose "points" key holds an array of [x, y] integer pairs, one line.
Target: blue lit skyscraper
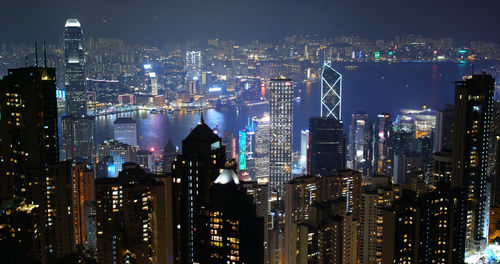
{"points": [[74, 69], [331, 92]]}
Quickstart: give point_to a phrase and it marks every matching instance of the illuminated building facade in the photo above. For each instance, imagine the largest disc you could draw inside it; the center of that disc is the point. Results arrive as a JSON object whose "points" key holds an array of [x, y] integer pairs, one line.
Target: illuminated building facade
{"points": [[193, 65], [227, 225], [74, 69], [331, 92], [304, 145], [305, 198], [471, 131], [131, 217], [201, 162], [29, 147], [361, 144], [374, 198], [262, 140], [281, 115], [247, 149], [383, 131], [125, 131], [83, 191], [120, 152], [418, 229]]}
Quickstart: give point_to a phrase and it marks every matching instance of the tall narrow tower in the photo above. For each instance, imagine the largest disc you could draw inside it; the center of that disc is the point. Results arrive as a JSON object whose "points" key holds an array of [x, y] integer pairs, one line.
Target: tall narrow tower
{"points": [[281, 113], [74, 69], [471, 131], [331, 92]]}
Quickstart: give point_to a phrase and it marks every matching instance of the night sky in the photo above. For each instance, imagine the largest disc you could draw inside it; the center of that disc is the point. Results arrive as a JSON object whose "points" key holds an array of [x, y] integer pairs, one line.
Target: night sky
{"points": [[166, 21]]}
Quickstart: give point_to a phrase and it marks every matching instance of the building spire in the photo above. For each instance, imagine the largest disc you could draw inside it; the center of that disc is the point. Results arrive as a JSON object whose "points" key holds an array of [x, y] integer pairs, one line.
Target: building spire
{"points": [[202, 121]]}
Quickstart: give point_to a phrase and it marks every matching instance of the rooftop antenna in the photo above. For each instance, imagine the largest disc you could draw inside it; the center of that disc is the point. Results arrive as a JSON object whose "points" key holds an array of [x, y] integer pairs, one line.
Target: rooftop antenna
{"points": [[26, 61], [36, 54], [44, 56]]}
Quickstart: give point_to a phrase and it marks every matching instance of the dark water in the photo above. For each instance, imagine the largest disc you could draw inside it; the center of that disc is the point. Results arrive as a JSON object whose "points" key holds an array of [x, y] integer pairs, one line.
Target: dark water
{"points": [[372, 87]]}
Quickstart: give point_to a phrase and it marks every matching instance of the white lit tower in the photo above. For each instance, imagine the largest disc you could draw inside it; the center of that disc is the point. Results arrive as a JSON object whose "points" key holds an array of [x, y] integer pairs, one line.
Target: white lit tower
{"points": [[281, 113], [74, 69], [193, 65], [331, 92]]}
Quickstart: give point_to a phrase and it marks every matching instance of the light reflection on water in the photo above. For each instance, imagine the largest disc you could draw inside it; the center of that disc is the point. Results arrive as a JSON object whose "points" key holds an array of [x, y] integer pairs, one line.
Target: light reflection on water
{"points": [[373, 87]]}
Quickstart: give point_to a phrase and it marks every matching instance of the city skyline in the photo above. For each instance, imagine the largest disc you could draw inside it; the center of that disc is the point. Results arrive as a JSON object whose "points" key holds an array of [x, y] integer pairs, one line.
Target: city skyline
{"points": [[328, 148], [224, 19]]}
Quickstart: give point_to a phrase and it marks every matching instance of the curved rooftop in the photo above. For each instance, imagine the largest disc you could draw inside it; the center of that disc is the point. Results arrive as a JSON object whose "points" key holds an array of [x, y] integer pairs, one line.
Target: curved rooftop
{"points": [[72, 22], [226, 177]]}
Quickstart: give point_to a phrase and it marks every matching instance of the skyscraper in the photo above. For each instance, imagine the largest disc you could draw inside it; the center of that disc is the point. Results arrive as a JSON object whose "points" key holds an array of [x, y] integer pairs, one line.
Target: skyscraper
{"points": [[443, 130], [28, 134], [247, 149], [132, 217], [262, 149], [327, 146], [126, 131], [361, 144], [77, 129], [193, 65], [201, 162], [74, 69], [78, 138], [331, 92], [83, 191], [281, 113], [381, 154], [228, 226], [169, 154], [471, 130], [304, 145]]}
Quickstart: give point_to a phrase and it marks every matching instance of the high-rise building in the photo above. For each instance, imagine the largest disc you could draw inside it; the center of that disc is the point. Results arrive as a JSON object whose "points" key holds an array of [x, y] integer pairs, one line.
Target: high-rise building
{"points": [[145, 160], [227, 227], [193, 65], [443, 131], [83, 191], [403, 166], [132, 216], [78, 138], [60, 212], [304, 193], [29, 146], [327, 150], [262, 140], [120, 152], [125, 130], [471, 131], [154, 83], [201, 162], [379, 194], [328, 236], [169, 154], [361, 147], [304, 145], [247, 149], [381, 148], [74, 69], [28, 134], [281, 115], [20, 239], [418, 229], [331, 92]]}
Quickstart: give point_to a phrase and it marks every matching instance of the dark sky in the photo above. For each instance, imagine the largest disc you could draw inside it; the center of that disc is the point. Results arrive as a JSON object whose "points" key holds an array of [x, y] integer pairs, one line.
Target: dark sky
{"points": [[166, 21]]}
